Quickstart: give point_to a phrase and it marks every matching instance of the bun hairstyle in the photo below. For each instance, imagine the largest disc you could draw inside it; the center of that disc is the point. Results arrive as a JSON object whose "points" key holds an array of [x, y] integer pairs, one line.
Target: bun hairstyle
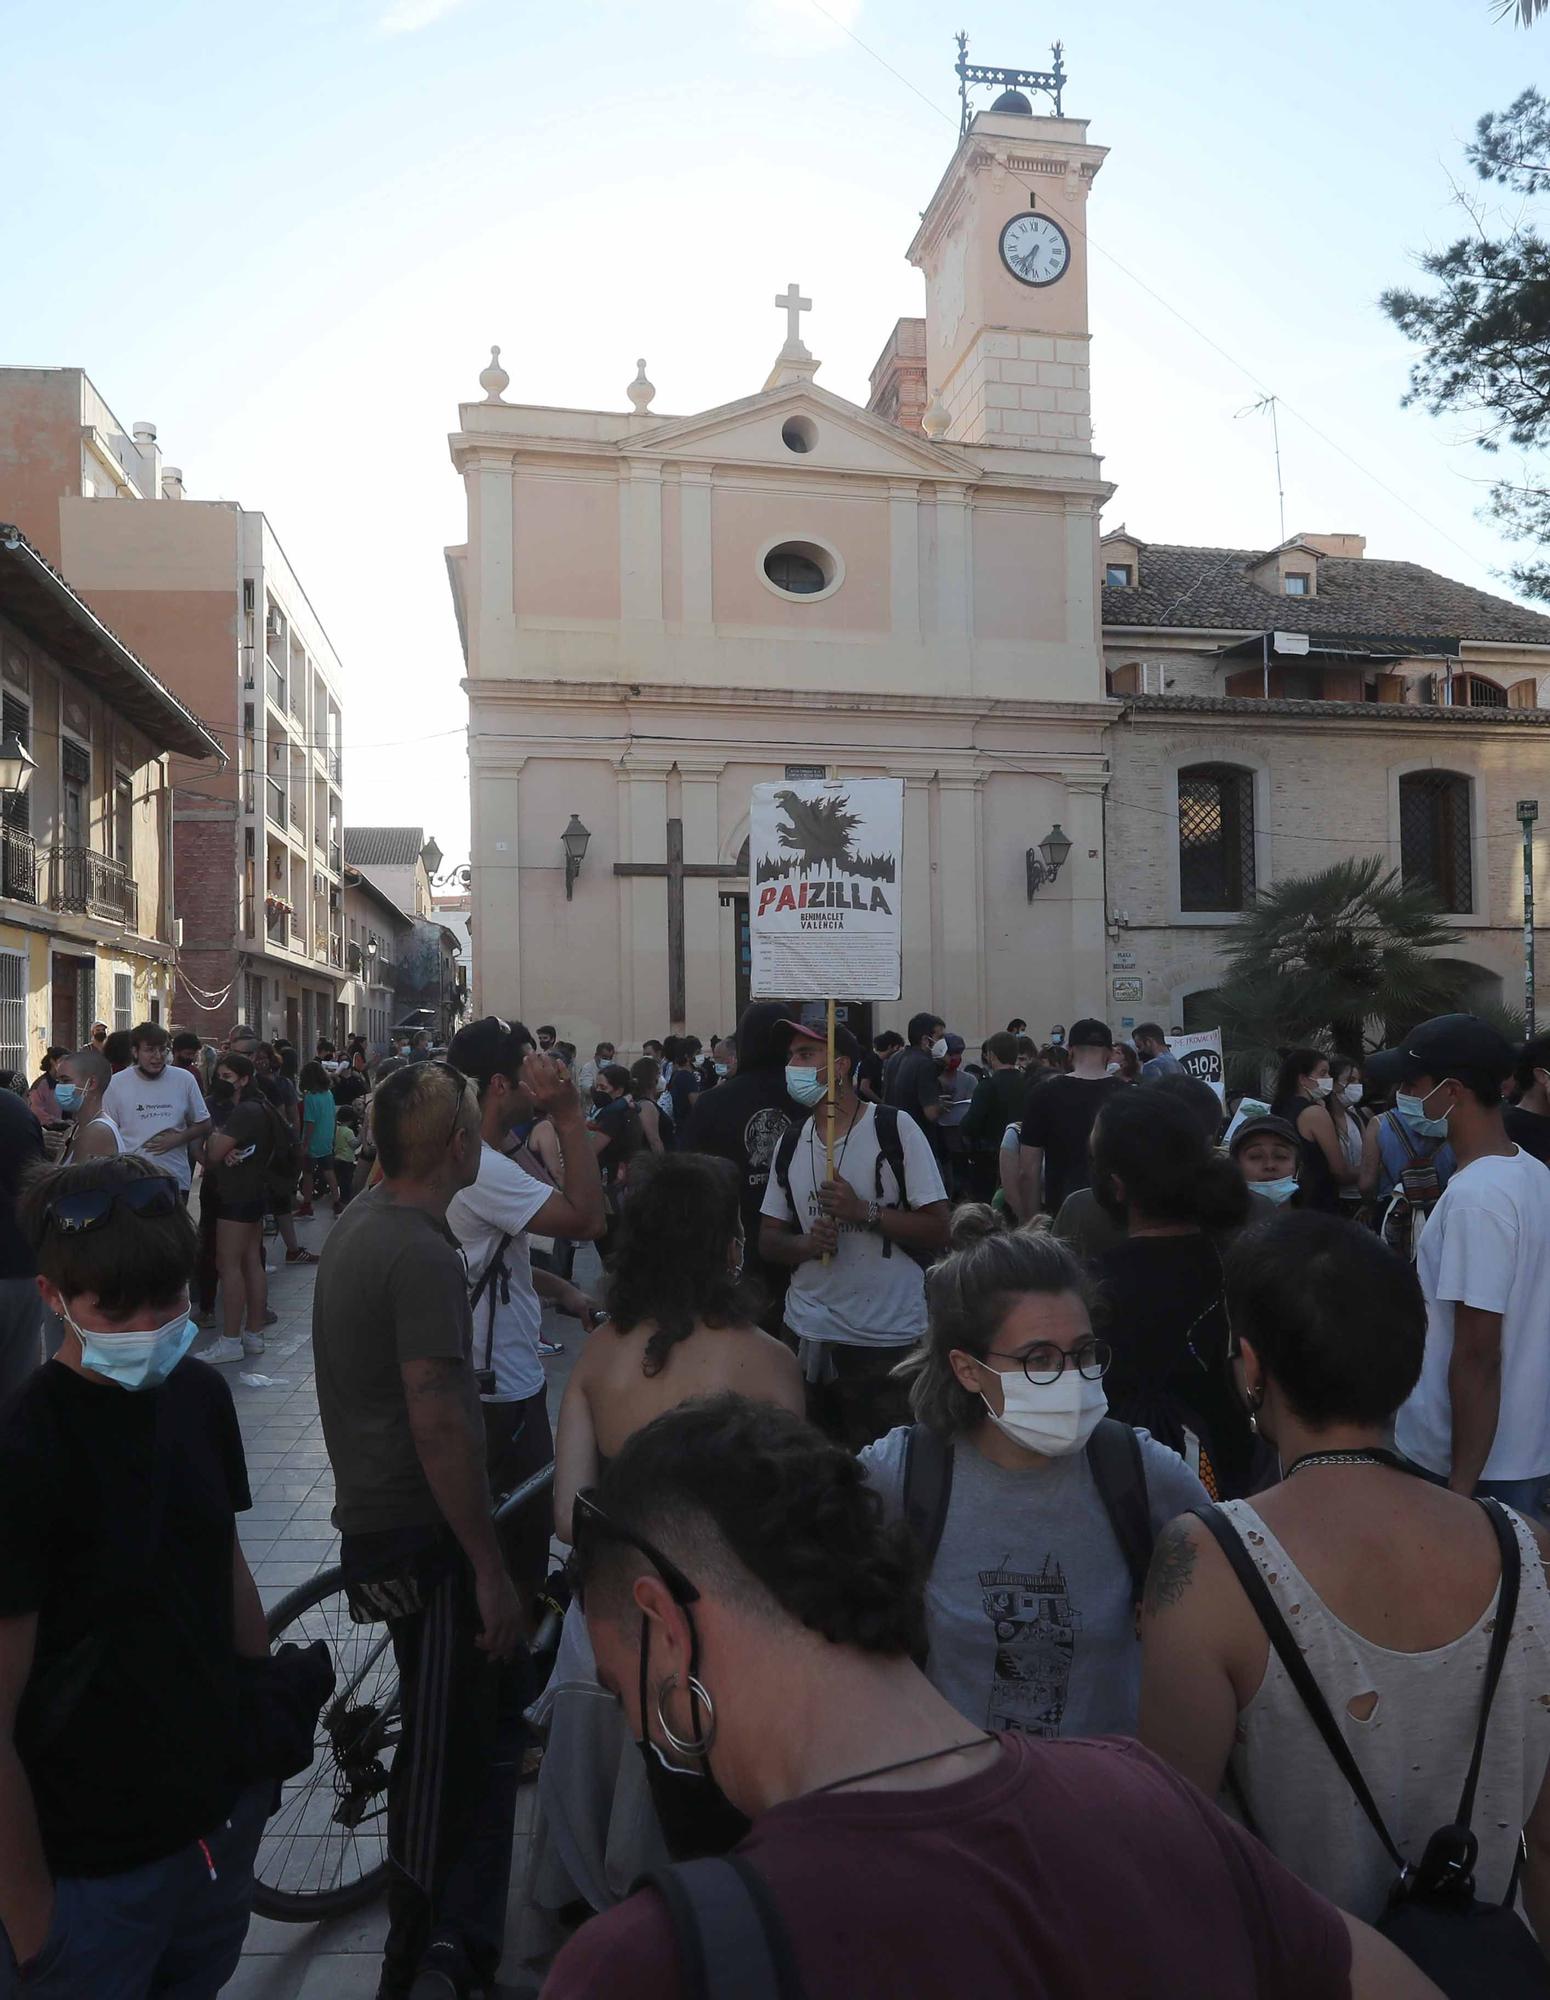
{"points": [[990, 1265], [1150, 1156], [732, 1489]]}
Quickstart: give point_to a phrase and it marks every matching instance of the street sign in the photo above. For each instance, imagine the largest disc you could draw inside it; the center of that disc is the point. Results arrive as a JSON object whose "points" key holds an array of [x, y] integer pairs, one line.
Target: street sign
{"points": [[825, 880], [1125, 989]]}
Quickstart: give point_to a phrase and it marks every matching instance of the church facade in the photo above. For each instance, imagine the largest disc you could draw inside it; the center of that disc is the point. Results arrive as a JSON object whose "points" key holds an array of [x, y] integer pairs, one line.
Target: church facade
{"points": [[659, 612]]}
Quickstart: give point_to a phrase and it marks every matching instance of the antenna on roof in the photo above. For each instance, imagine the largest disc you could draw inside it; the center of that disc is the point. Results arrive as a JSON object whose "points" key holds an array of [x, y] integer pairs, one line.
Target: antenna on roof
{"points": [[1258, 409]]}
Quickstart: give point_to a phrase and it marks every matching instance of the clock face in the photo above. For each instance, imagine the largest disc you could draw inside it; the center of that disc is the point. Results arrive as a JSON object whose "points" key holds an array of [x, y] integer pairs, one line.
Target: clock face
{"points": [[1035, 249]]}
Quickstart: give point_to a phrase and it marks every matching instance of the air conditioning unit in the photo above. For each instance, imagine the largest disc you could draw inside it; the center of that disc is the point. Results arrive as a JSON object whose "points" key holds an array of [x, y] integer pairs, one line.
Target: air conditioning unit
{"points": [[177, 931], [318, 884], [274, 625]]}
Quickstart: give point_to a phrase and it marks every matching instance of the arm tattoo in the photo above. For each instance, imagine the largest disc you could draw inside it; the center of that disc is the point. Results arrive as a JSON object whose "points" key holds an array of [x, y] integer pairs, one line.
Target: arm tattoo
{"points": [[1172, 1570], [438, 1377]]}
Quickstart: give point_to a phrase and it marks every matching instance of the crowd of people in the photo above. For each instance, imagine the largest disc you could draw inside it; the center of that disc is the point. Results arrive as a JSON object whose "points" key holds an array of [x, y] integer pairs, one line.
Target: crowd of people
{"points": [[999, 1489]]}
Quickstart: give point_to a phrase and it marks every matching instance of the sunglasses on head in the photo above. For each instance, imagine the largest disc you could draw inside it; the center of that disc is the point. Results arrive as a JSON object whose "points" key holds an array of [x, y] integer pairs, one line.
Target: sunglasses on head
{"points": [[590, 1525], [89, 1208]]}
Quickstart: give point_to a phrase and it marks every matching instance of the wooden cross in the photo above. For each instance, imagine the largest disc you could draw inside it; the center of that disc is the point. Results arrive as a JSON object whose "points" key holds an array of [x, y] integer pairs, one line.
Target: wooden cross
{"points": [[675, 868], [793, 305]]}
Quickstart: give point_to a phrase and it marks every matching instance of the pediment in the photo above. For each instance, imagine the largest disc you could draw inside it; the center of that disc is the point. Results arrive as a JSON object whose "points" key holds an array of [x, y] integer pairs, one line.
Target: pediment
{"points": [[845, 438]]}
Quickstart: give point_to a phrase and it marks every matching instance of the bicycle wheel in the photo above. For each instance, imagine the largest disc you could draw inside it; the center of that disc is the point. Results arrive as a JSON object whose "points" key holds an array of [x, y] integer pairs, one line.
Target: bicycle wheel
{"points": [[325, 1849]]}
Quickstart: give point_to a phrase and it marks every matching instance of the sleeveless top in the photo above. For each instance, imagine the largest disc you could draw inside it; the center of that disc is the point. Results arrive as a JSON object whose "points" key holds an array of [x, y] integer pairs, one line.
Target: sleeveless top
{"points": [[101, 1118], [1414, 1747], [1319, 1188]]}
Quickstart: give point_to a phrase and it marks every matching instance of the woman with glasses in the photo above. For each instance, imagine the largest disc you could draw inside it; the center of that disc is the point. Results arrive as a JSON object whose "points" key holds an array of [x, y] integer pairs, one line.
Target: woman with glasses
{"points": [[1023, 1494], [1390, 1586], [1159, 1293], [679, 1327]]}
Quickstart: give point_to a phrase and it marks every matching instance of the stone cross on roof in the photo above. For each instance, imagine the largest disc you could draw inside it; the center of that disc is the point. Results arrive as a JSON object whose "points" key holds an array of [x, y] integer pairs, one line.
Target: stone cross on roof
{"points": [[793, 363]]}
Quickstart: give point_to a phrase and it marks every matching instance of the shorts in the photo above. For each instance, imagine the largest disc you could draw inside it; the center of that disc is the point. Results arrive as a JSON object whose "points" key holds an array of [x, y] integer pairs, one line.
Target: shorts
{"points": [[241, 1211], [280, 1203]]}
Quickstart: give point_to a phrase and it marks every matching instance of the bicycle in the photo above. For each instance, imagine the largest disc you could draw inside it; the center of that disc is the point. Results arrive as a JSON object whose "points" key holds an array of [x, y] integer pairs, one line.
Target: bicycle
{"points": [[324, 1850]]}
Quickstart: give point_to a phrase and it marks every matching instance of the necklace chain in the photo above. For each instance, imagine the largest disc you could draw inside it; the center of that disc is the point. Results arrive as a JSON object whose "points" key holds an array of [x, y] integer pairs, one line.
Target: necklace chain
{"points": [[1366, 1455], [904, 1764]]}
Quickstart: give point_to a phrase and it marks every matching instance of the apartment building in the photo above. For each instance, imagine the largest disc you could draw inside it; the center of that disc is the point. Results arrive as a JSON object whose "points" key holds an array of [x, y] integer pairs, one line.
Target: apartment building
{"points": [[203, 592], [87, 930], [377, 935]]}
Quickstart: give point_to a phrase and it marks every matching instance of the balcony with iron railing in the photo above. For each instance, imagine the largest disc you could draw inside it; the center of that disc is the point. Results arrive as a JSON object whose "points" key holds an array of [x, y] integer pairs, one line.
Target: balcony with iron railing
{"points": [[18, 864], [95, 885], [274, 800], [274, 685], [336, 951], [298, 811], [334, 767]]}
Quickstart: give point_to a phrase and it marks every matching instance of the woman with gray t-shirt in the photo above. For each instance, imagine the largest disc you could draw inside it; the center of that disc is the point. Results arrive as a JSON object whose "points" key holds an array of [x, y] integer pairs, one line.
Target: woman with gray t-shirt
{"points": [[1031, 1600]]}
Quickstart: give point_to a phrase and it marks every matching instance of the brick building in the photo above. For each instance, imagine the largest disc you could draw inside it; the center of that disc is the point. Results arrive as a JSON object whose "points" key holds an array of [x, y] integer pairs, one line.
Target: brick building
{"points": [[202, 590]]}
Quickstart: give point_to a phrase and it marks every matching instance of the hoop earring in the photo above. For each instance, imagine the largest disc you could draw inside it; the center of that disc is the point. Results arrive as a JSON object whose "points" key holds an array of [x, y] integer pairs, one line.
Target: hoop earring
{"points": [[686, 1746], [1255, 1398]]}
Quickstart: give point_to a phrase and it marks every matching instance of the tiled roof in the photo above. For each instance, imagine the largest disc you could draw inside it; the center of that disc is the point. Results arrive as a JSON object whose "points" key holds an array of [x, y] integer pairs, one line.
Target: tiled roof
{"points": [[389, 846], [1335, 711], [1178, 586]]}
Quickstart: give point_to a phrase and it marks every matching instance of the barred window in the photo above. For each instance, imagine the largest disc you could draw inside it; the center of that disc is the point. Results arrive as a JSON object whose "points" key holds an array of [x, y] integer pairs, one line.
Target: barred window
{"points": [[1216, 837], [123, 1000], [1436, 849], [13, 1010]]}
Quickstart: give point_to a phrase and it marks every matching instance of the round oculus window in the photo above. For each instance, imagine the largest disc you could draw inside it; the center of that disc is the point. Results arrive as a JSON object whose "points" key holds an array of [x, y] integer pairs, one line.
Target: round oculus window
{"points": [[800, 569], [799, 434]]}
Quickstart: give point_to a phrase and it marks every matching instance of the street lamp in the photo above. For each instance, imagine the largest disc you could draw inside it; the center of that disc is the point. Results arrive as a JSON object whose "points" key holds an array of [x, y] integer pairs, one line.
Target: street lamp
{"points": [[574, 840], [17, 764], [1045, 861]]}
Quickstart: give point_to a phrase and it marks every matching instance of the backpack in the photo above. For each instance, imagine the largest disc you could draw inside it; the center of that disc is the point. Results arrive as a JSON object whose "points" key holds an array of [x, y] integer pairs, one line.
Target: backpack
{"points": [[732, 1942], [1416, 1192], [495, 1285], [1113, 1457], [890, 1153], [1469, 1949]]}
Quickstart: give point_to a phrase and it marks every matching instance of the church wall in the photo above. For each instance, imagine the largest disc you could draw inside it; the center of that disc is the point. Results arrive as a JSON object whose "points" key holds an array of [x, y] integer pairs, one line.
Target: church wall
{"points": [[566, 532], [1019, 574], [746, 521]]}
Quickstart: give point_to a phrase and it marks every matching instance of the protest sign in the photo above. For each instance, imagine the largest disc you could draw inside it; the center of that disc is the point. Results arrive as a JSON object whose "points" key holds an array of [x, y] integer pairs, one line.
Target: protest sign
{"points": [[824, 880], [1201, 1055]]}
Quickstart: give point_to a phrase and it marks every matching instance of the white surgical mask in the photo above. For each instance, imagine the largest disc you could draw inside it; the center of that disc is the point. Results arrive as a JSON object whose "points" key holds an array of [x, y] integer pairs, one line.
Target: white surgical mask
{"points": [[1412, 1112], [1053, 1418], [1352, 1093], [939, 1049], [720, 1068], [805, 1085], [1323, 1085], [136, 1360], [1276, 1191]]}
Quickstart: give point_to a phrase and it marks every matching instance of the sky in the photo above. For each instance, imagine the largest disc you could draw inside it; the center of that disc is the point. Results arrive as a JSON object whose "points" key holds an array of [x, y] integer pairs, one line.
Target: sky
{"points": [[288, 236]]}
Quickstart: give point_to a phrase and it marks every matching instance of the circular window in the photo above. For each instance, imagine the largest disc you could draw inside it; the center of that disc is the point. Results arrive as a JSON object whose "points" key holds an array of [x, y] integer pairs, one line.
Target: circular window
{"points": [[799, 569], [799, 434]]}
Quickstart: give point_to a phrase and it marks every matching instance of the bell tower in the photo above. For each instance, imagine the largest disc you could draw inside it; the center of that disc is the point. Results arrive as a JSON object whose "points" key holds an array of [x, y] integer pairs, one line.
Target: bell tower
{"points": [[1003, 245]]}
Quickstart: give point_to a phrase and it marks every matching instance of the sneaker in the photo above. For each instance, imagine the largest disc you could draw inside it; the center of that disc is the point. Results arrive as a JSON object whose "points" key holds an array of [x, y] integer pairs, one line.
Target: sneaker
{"points": [[302, 1212], [252, 1346], [221, 1351], [301, 1257], [271, 1318], [551, 1346], [443, 1971]]}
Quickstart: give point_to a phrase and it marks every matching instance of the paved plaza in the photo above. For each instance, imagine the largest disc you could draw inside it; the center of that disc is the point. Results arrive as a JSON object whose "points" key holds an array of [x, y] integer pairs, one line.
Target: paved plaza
{"points": [[288, 1537]]}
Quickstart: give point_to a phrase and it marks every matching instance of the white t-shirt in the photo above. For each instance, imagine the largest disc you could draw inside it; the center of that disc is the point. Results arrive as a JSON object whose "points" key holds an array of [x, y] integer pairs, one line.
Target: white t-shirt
{"points": [[503, 1201], [1487, 1244], [142, 1106], [860, 1298]]}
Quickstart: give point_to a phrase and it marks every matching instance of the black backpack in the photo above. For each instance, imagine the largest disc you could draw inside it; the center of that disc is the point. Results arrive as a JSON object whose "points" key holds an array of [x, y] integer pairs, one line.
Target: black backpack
{"points": [[732, 1942], [1113, 1456], [890, 1153]]}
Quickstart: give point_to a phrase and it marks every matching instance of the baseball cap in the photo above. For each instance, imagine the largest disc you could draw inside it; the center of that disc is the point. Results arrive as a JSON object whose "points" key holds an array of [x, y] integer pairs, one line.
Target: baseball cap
{"points": [[488, 1047], [1446, 1043], [955, 1044], [845, 1043], [1261, 1128], [1089, 1035]]}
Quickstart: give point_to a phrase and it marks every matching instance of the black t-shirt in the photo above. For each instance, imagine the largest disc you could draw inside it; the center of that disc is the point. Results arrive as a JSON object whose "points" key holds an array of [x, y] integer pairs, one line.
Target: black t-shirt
{"points": [[142, 1763], [241, 1176], [914, 1086], [869, 1071], [1160, 1307], [21, 1143], [744, 1120], [682, 1088], [1059, 1118], [619, 1122], [348, 1085], [1530, 1130]]}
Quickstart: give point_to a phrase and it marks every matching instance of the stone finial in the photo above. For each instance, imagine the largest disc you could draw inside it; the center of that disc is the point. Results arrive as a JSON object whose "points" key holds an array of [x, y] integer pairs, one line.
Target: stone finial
{"points": [[936, 422], [494, 380], [640, 391]]}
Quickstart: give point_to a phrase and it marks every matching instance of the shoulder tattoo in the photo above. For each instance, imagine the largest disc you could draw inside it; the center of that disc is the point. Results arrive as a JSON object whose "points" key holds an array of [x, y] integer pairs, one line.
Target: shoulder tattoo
{"points": [[1172, 1570]]}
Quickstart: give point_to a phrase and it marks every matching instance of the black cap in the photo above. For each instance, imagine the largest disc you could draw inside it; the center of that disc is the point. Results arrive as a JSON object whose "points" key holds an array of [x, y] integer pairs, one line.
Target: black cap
{"points": [[486, 1048], [1263, 1126], [1446, 1043], [845, 1043], [1089, 1035]]}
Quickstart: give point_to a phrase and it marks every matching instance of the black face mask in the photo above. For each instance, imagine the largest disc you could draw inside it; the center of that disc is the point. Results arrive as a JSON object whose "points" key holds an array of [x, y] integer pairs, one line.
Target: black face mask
{"points": [[696, 1816], [1107, 1197]]}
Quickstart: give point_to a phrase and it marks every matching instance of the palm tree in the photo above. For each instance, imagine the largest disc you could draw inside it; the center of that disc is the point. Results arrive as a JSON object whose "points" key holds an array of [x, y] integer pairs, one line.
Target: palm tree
{"points": [[1527, 11], [1319, 957]]}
